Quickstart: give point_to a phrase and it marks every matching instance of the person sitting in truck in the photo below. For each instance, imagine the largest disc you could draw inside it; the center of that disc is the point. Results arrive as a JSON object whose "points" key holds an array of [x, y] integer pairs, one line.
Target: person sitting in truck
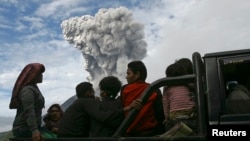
{"points": [[149, 120], [178, 102], [238, 99], [73, 122], [76, 120], [109, 88], [52, 119]]}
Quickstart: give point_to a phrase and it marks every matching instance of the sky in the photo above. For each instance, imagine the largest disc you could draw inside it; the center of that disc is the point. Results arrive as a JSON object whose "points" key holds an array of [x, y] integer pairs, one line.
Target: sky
{"points": [[32, 31]]}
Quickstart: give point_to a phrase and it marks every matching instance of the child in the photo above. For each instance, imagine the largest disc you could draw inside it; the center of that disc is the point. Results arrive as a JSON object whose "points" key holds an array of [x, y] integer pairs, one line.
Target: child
{"points": [[52, 118], [178, 103]]}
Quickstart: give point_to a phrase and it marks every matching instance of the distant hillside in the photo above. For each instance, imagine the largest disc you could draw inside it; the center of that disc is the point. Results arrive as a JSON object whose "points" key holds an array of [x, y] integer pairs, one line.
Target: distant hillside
{"points": [[68, 102], [4, 136]]}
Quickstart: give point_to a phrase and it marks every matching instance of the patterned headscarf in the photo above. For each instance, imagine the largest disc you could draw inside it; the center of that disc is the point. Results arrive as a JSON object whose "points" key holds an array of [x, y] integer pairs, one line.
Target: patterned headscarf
{"points": [[28, 74]]}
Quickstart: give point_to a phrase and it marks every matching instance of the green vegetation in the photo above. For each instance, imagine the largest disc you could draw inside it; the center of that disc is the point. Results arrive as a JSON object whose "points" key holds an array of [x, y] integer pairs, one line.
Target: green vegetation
{"points": [[4, 136]]}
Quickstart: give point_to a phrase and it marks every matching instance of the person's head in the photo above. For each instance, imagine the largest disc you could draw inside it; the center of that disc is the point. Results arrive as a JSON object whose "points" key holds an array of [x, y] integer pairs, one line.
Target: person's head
{"points": [[109, 86], [187, 64], [30, 75], [84, 89], [175, 69], [55, 112], [136, 71]]}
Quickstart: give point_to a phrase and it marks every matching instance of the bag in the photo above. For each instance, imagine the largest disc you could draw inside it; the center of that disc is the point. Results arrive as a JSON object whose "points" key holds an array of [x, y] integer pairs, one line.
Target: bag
{"points": [[180, 129]]}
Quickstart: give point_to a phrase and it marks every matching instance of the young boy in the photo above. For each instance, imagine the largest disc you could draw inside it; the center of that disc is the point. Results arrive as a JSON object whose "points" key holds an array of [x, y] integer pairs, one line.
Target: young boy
{"points": [[109, 88]]}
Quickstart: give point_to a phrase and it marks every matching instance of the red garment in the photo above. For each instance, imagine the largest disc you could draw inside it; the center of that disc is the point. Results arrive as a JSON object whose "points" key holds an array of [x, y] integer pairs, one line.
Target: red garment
{"points": [[27, 75], [145, 121]]}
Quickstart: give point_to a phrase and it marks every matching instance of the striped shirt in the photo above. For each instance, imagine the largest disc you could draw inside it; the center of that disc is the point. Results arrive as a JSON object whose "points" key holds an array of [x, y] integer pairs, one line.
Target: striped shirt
{"points": [[176, 98]]}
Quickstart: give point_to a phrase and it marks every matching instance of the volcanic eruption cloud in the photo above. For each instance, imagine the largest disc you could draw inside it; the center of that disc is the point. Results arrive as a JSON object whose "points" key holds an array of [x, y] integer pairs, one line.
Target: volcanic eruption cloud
{"points": [[108, 41]]}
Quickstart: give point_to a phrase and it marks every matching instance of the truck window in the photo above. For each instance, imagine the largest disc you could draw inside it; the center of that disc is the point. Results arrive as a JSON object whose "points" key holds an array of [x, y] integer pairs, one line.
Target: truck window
{"points": [[235, 72]]}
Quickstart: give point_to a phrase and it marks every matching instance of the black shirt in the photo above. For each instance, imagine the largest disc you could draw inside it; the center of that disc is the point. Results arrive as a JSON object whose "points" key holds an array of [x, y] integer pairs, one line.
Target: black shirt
{"points": [[75, 121]]}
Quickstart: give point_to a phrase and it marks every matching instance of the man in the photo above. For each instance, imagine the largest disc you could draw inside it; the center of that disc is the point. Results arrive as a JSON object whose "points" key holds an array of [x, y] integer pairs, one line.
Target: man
{"points": [[75, 121]]}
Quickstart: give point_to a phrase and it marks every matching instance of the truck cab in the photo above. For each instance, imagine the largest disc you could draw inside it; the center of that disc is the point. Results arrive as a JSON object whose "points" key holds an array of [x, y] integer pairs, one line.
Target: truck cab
{"points": [[228, 105]]}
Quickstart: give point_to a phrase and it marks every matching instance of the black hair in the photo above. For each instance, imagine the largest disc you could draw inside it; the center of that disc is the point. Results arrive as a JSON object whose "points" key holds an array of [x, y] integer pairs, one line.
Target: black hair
{"points": [[175, 70], [187, 64], [82, 88], [111, 85], [139, 66]]}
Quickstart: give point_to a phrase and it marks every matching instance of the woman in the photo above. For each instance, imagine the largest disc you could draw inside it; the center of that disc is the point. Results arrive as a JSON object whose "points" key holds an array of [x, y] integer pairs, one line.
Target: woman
{"points": [[29, 102], [52, 118], [149, 120]]}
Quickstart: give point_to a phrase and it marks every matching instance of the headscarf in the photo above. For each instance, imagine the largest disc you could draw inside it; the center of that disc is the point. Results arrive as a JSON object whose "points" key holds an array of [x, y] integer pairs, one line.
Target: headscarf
{"points": [[27, 75], [57, 106]]}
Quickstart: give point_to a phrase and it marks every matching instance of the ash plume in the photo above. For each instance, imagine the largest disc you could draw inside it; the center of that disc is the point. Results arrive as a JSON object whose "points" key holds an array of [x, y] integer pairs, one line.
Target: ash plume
{"points": [[108, 41]]}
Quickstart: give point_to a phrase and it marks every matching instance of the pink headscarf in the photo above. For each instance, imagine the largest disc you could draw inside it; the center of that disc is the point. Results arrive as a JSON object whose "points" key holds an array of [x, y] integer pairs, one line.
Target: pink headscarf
{"points": [[27, 75]]}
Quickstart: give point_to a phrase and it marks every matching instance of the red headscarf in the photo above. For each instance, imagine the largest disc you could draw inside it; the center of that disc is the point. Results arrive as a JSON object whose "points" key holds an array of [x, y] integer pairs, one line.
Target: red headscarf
{"points": [[27, 75]]}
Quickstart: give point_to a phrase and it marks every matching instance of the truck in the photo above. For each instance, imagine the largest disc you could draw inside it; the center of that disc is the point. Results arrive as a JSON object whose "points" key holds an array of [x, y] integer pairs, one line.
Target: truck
{"points": [[213, 74]]}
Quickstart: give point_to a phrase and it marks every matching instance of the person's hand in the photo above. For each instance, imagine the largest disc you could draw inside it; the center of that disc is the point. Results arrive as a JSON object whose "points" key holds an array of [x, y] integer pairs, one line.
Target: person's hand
{"points": [[54, 130], [137, 104], [164, 122], [36, 136]]}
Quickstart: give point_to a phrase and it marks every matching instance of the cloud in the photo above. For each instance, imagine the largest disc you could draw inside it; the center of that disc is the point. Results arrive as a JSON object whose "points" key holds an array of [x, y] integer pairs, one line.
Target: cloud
{"points": [[208, 27], [35, 23], [204, 26], [57, 8]]}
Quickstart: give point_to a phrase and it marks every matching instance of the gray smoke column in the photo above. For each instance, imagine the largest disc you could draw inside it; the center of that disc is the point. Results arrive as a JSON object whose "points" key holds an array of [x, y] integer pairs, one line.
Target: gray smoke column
{"points": [[108, 41]]}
